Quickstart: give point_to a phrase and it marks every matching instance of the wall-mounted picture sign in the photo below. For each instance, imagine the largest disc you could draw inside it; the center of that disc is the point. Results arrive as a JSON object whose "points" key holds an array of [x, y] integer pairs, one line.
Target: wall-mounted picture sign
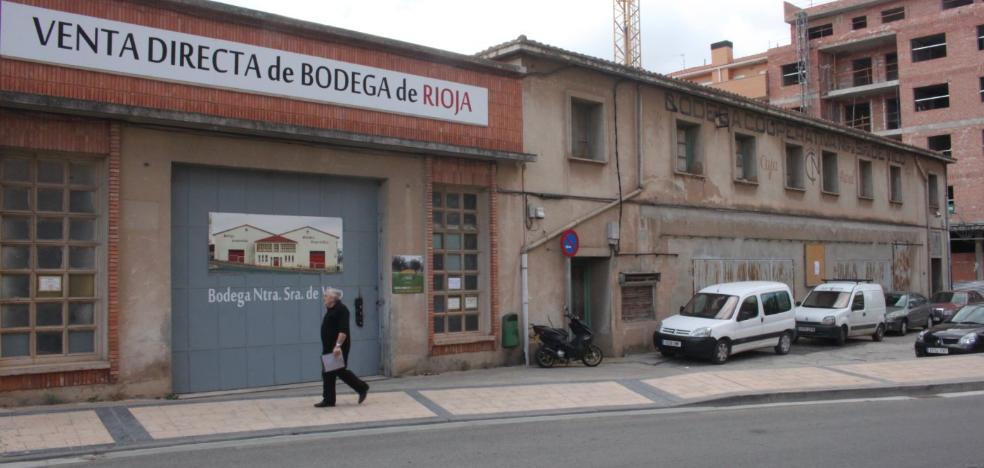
{"points": [[408, 274], [239, 241]]}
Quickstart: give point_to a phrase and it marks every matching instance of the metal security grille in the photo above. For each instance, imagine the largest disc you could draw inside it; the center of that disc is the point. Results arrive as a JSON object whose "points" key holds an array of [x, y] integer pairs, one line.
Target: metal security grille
{"points": [[455, 279], [50, 299]]}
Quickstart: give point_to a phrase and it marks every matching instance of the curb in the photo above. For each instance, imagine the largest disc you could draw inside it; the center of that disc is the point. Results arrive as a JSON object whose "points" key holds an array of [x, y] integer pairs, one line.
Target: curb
{"points": [[838, 394]]}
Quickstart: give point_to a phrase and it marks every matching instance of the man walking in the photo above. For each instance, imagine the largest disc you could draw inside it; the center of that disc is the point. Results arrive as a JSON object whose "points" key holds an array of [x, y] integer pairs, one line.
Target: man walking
{"points": [[335, 339]]}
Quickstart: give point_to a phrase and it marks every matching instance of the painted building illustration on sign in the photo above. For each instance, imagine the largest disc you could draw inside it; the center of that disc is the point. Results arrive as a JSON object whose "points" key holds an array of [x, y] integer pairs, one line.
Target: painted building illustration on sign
{"points": [[238, 241]]}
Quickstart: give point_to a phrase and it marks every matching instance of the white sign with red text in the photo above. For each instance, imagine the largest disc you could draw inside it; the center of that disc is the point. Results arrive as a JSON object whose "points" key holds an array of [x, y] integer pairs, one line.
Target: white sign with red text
{"points": [[55, 37]]}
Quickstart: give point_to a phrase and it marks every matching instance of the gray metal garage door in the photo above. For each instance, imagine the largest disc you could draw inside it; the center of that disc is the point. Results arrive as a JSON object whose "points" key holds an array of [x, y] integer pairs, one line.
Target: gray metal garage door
{"points": [[222, 345]]}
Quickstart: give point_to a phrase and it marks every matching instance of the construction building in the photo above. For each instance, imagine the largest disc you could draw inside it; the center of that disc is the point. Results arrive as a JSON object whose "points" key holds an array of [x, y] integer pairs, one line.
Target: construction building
{"points": [[908, 70]]}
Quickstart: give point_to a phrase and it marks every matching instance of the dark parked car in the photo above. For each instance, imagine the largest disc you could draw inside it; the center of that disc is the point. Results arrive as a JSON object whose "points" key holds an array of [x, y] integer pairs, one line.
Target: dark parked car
{"points": [[944, 304], [903, 310], [963, 334]]}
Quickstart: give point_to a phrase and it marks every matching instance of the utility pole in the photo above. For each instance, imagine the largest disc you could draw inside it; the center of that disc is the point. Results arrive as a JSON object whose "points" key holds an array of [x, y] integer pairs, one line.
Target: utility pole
{"points": [[628, 34]]}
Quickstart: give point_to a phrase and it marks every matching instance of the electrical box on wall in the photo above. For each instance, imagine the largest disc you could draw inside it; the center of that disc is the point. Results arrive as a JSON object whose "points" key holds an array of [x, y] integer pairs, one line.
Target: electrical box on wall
{"points": [[535, 212], [613, 234]]}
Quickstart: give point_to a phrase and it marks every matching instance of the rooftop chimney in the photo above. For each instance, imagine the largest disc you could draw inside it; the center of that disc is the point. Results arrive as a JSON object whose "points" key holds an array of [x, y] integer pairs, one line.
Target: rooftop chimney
{"points": [[722, 53]]}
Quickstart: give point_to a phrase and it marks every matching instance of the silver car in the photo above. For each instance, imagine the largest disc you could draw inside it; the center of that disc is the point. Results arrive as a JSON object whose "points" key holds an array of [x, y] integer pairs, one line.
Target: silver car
{"points": [[904, 310]]}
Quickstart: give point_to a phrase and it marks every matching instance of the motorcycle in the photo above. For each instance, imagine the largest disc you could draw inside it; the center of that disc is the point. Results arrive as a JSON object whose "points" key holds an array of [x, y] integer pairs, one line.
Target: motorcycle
{"points": [[559, 345]]}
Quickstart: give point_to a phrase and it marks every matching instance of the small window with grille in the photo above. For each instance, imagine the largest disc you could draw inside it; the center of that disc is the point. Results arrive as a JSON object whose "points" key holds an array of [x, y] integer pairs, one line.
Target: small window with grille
{"points": [[457, 287], [51, 297]]}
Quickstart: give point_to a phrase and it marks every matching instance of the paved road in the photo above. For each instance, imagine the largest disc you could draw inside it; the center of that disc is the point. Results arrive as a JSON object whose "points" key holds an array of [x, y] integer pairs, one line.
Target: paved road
{"points": [[938, 432]]}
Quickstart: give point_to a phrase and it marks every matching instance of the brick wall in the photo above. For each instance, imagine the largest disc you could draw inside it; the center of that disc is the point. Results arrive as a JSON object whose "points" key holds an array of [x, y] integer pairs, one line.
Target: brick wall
{"points": [[48, 132], [505, 100], [961, 69]]}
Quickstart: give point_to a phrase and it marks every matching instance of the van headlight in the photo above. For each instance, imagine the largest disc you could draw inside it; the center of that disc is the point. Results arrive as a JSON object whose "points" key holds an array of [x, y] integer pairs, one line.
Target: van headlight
{"points": [[969, 339], [701, 332], [829, 320]]}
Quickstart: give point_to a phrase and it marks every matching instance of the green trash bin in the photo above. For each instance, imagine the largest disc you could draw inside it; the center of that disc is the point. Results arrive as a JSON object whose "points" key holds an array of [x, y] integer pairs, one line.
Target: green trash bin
{"points": [[510, 331]]}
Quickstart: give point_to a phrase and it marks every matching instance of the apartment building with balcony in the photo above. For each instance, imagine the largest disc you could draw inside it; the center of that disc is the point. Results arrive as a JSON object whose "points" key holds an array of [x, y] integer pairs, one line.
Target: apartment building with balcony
{"points": [[909, 70]]}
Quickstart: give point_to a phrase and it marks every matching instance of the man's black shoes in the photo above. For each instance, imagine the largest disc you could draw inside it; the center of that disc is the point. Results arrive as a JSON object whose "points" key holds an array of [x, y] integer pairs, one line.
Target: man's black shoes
{"points": [[362, 395], [323, 404]]}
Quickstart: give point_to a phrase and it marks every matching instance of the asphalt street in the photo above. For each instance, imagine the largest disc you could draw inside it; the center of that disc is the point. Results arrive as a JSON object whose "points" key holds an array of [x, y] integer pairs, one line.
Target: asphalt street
{"points": [[939, 432]]}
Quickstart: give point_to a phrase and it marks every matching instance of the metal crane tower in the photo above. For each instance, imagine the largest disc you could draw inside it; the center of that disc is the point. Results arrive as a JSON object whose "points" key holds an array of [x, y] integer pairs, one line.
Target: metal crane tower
{"points": [[628, 35]]}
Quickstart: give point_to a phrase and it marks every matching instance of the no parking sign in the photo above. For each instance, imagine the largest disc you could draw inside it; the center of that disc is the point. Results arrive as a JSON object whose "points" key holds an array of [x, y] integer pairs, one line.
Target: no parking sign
{"points": [[569, 243]]}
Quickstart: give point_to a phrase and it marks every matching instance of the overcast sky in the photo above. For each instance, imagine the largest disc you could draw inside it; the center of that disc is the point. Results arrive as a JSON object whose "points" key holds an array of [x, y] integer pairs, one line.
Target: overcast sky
{"points": [[674, 33]]}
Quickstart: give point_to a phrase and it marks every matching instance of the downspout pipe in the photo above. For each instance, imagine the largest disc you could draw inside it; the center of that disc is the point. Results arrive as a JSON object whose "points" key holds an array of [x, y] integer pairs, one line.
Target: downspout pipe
{"points": [[929, 255], [638, 121]]}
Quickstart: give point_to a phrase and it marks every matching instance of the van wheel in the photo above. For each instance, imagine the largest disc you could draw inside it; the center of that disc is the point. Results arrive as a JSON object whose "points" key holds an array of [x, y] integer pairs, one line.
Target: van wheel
{"points": [[879, 333], [929, 323], [722, 350], [904, 327], [785, 343], [841, 337]]}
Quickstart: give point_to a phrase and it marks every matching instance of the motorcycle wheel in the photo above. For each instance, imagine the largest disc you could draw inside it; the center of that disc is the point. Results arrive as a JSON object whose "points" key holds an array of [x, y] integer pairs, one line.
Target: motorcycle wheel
{"points": [[592, 356], [543, 358]]}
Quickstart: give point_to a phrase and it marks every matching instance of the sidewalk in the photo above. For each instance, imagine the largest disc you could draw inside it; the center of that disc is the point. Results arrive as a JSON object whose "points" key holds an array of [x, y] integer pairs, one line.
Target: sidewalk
{"points": [[618, 384]]}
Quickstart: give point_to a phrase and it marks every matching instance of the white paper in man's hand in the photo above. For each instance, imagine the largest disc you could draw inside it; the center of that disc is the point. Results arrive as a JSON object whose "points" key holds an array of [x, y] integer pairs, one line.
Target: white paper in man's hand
{"points": [[330, 362]]}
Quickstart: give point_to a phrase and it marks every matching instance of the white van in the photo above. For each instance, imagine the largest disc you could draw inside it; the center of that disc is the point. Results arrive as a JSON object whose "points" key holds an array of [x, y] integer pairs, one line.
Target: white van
{"points": [[839, 309], [724, 319]]}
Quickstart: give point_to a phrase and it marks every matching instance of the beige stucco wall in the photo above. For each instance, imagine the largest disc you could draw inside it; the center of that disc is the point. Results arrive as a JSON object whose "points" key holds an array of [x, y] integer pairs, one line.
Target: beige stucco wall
{"points": [[677, 218]]}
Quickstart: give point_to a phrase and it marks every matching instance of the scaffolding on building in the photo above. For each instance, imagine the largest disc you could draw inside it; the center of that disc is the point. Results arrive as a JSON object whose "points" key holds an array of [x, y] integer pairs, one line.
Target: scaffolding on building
{"points": [[803, 60]]}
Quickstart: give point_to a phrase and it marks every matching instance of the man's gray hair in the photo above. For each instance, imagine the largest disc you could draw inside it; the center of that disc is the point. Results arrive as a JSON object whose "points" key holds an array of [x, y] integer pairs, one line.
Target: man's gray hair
{"points": [[334, 292]]}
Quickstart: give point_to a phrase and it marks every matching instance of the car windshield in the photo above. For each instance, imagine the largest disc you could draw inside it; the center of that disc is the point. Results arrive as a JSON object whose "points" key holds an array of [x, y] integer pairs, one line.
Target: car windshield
{"points": [[954, 297], [712, 306], [896, 299], [970, 314], [827, 299]]}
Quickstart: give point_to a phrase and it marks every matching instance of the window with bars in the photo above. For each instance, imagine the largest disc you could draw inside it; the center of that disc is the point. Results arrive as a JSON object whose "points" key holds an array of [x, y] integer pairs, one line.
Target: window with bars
{"points": [[932, 97], [456, 272], [980, 37], [929, 47], [859, 22], [50, 301], [790, 74], [947, 4], [858, 116], [892, 66], [893, 14], [822, 30]]}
